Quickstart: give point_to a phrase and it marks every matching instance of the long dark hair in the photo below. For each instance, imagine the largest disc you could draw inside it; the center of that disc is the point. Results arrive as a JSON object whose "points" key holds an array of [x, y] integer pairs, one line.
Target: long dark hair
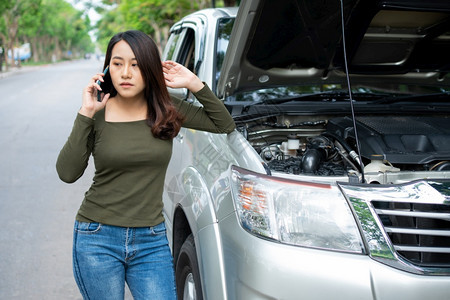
{"points": [[162, 117]]}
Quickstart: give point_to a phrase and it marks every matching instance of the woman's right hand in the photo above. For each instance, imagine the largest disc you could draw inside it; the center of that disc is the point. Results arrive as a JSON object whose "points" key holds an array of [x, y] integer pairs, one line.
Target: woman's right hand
{"points": [[90, 105]]}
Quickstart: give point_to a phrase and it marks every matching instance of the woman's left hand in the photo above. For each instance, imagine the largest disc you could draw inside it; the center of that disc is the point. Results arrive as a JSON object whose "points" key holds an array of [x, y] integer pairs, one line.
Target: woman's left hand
{"points": [[178, 76]]}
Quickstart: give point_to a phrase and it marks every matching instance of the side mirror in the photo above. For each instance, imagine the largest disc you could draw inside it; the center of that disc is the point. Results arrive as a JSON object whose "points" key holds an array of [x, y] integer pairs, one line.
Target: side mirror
{"points": [[178, 93]]}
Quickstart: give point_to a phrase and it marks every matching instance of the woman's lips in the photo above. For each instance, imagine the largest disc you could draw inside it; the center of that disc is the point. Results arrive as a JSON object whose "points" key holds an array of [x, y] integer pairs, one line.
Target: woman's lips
{"points": [[126, 84]]}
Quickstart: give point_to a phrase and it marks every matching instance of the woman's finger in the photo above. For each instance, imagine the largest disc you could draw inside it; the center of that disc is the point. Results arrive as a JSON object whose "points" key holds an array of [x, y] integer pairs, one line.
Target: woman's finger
{"points": [[92, 88], [98, 77], [105, 98], [98, 86]]}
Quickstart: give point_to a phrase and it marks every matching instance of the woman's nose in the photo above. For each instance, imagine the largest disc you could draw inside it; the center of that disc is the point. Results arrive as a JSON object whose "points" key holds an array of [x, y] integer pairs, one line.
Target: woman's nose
{"points": [[126, 72]]}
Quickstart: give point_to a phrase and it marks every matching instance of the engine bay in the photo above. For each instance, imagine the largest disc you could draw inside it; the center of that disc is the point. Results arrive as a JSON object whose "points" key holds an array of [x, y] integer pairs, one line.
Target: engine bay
{"points": [[393, 148]]}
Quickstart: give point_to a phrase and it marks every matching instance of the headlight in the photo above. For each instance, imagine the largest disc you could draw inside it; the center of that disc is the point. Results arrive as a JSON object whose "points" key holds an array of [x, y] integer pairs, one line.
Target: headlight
{"points": [[294, 212]]}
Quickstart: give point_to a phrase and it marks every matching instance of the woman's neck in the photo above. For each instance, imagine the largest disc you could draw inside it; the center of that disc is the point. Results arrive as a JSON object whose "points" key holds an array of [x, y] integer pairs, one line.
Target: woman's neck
{"points": [[119, 109]]}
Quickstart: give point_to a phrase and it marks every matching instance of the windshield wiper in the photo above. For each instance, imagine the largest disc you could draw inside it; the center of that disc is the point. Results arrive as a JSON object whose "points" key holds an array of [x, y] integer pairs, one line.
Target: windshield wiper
{"points": [[320, 95], [327, 96], [437, 97]]}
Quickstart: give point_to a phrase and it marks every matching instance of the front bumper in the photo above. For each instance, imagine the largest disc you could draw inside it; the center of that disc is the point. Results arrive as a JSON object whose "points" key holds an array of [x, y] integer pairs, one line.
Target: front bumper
{"points": [[260, 269]]}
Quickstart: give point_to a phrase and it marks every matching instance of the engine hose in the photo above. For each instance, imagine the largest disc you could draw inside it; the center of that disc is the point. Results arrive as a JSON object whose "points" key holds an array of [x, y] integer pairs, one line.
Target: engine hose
{"points": [[345, 157], [311, 160], [346, 147], [341, 141]]}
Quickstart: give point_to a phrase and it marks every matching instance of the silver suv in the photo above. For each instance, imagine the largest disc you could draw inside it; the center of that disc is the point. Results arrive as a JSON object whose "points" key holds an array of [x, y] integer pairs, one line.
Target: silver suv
{"points": [[332, 186]]}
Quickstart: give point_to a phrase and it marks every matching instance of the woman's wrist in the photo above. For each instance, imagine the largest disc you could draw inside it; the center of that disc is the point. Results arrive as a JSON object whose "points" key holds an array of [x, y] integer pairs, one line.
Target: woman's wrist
{"points": [[86, 112], [196, 85]]}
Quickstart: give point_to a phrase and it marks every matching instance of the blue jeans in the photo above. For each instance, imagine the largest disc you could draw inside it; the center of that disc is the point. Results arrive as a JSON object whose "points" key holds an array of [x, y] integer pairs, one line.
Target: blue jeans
{"points": [[105, 257]]}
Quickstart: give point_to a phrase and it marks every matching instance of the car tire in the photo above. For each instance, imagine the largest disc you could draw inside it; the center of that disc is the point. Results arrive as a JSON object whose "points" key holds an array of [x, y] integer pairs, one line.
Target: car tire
{"points": [[187, 274]]}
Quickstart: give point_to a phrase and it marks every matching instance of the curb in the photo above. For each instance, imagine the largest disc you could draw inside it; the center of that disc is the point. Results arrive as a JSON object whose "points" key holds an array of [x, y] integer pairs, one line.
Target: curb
{"points": [[15, 70]]}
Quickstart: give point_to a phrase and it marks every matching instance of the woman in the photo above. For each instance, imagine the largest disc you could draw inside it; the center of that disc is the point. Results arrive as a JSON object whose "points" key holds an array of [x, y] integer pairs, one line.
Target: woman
{"points": [[119, 233]]}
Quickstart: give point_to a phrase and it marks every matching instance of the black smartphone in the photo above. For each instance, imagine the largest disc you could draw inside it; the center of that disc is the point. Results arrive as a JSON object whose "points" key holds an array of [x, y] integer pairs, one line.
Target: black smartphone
{"points": [[103, 84]]}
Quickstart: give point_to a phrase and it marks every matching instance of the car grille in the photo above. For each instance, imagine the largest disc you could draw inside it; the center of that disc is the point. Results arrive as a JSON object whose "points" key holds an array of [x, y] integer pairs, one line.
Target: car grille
{"points": [[419, 232], [406, 226]]}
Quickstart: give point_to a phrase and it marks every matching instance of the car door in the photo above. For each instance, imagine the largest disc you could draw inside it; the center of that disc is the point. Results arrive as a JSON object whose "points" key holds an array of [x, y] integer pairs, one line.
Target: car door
{"points": [[182, 47]]}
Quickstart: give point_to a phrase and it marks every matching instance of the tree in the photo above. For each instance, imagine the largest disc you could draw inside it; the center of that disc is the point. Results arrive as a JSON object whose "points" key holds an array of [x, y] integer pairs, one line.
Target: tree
{"points": [[62, 28], [29, 25], [53, 28], [11, 15], [154, 17], [3, 6]]}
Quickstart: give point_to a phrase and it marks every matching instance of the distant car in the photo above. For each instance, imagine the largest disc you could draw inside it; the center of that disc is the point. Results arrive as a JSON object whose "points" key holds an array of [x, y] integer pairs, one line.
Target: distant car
{"points": [[21, 53], [305, 199]]}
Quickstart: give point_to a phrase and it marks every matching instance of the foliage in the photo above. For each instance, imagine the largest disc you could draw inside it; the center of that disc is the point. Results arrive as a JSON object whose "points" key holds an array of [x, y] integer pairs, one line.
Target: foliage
{"points": [[54, 28], [154, 17]]}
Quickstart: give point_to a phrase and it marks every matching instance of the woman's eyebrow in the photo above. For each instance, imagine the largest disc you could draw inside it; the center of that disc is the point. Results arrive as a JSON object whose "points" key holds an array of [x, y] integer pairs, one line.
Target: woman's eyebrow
{"points": [[118, 57]]}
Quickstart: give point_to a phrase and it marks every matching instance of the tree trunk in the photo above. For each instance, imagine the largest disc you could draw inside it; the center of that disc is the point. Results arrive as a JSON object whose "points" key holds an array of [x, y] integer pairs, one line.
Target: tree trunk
{"points": [[45, 40], [229, 2], [157, 37], [165, 36], [57, 52], [12, 25], [4, 54], [1, 61], [11, 48], [34, 48]]}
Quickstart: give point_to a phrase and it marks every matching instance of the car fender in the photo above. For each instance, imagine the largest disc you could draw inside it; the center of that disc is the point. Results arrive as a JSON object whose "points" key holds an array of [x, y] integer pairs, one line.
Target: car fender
{"points": [[205, 198], [199, 210], [196, 201]]}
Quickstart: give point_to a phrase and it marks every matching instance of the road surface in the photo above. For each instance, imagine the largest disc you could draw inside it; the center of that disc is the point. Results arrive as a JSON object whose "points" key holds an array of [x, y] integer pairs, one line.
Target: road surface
{"points": [[37, 210]]}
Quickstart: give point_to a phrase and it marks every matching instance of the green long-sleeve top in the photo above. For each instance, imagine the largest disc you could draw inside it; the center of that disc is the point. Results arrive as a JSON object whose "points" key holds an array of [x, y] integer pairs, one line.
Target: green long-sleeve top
{"points": [[130, 163]]}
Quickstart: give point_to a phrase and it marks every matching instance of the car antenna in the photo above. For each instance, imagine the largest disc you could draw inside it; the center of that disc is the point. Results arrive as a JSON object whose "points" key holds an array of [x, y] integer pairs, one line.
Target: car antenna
{"points": [[358, 148]]}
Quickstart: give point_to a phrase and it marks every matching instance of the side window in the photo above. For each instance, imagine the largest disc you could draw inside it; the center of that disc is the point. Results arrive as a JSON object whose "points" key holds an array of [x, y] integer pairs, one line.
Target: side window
{"points": [[181, 48], [186, 55], [169, 50]]}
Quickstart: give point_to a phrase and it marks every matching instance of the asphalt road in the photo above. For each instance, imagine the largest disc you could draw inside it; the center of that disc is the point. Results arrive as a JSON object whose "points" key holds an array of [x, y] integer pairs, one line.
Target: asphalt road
{"points": [[37, 210]]}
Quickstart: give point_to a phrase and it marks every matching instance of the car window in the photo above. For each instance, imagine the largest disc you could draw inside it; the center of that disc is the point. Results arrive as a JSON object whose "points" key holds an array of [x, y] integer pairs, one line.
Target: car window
{"points": [[171, 46], [180, 48], [186, 55], [224, 27]]}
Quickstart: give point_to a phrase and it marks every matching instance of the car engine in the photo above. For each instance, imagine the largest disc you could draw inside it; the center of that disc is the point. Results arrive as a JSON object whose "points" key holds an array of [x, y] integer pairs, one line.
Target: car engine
{"points": [[327, 146]]}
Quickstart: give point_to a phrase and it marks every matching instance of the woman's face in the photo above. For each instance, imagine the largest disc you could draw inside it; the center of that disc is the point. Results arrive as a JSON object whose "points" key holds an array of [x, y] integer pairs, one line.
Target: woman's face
{"points": [[125, 73]]}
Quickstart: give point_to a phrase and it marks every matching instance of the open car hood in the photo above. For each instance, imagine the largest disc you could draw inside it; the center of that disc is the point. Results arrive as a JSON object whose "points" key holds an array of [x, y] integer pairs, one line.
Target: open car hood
{"points": [[299, 42]]}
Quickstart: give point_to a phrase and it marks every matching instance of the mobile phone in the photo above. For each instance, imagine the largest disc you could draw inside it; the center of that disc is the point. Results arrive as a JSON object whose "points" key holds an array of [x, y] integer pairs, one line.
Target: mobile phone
{"points": [[99, 93]]}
